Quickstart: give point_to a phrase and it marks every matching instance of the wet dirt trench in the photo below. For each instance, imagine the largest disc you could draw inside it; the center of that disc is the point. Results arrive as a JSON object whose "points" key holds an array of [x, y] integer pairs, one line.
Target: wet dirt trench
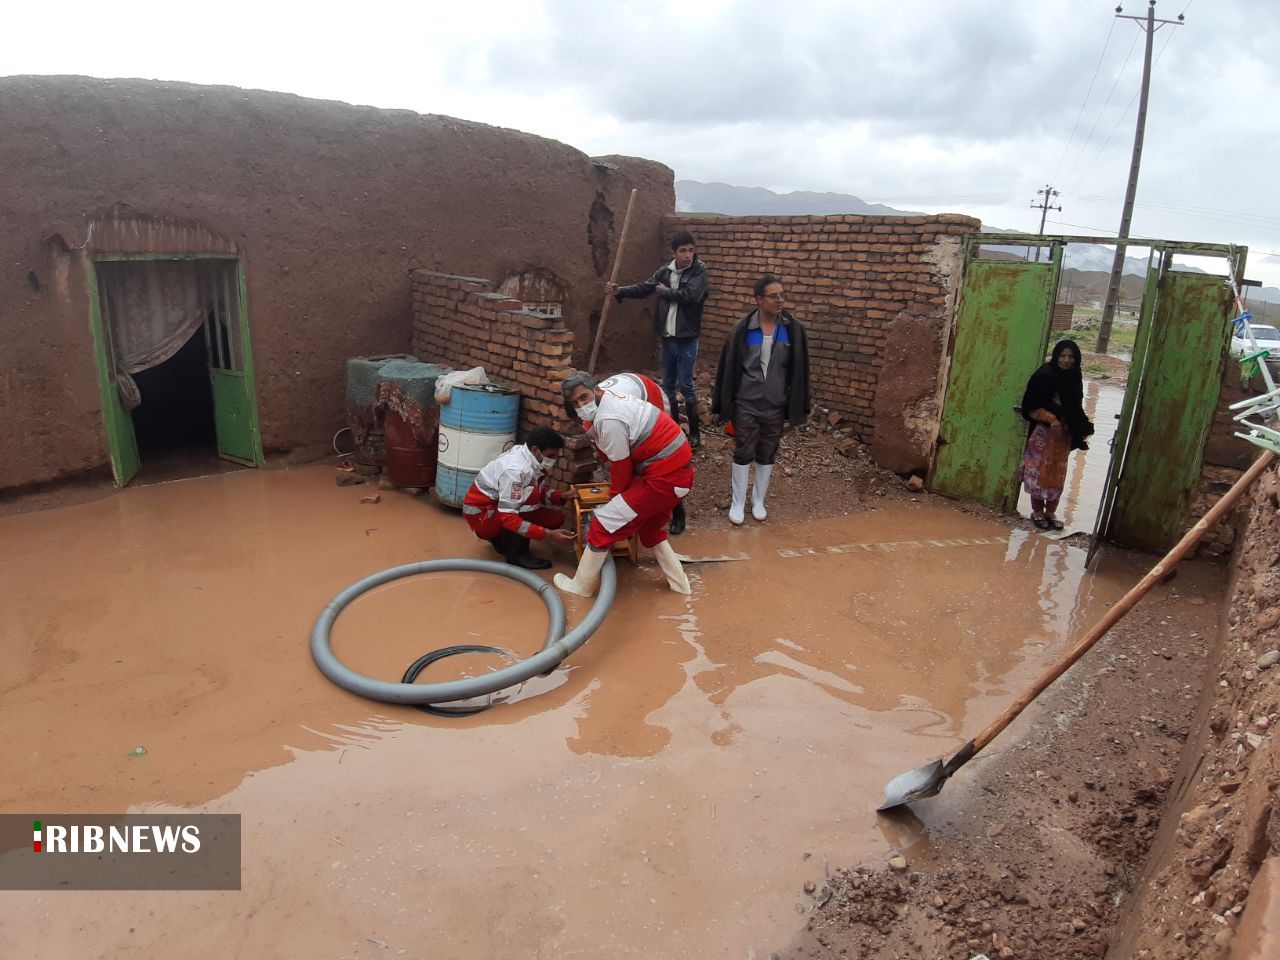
{"points": [[666, 794]]}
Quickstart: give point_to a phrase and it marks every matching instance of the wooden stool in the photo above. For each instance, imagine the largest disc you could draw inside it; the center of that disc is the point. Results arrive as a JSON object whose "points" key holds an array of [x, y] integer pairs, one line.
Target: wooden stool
{"points": [[591, 496]]}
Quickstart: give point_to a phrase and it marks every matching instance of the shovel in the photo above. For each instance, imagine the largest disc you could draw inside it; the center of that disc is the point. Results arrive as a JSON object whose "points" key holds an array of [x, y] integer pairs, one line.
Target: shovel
{"points": [[927, 781]]}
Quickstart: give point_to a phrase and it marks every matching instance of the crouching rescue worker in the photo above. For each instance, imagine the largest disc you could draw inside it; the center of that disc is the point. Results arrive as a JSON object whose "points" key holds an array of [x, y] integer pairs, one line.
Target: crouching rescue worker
{"points": [[642, 388], [508, 502], [650, 472]]}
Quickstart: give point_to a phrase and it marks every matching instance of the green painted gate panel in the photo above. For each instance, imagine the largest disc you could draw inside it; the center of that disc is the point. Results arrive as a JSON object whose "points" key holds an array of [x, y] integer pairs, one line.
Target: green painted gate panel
{"points": [[226, 333], [233, 416], [122, 442], [1174, 410], [1001, 327], [1132, 392]]}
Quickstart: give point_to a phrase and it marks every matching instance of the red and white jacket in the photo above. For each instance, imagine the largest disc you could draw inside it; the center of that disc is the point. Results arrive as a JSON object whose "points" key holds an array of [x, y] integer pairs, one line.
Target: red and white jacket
{"points": [[510, 486], [637, 439]]}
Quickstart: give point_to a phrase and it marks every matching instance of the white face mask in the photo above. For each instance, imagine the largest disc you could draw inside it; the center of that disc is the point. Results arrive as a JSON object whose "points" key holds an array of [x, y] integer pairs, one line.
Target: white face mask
{"points": [[547, 462], [587, 411]]}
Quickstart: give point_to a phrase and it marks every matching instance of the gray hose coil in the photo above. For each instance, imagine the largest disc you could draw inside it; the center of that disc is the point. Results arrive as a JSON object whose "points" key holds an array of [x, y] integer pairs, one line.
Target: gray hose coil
{"points": [[556, 648]]}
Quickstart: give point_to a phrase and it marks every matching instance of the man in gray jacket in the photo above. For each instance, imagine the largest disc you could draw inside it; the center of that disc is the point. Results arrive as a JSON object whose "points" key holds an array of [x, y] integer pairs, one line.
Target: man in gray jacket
{"points": [[762, 381], [681, 286]]}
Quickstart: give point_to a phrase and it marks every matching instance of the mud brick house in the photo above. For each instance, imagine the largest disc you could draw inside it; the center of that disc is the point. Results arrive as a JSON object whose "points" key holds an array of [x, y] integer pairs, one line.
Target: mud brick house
{"points": [[286, 228]]}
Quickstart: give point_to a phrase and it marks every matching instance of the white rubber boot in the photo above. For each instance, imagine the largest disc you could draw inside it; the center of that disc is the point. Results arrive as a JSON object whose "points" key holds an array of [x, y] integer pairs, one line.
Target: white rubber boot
{"points": [[670, 564], [759, 489], [585, 580], [738, 507]]}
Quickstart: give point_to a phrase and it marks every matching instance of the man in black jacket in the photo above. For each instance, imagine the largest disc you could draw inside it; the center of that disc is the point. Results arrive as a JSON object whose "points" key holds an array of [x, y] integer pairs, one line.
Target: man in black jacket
{"points": [[762, 380], [681, 286]]}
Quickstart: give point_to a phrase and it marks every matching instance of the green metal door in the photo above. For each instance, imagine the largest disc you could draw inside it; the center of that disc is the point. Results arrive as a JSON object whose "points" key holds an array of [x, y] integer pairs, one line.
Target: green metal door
{"points": [[122, 442], [1001, 327], [226, 333], [1171, 405], [1132, 395]]}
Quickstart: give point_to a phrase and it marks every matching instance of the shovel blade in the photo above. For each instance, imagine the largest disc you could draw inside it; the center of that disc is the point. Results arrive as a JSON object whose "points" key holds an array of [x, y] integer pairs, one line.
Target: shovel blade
{"points": [[914, 785]]}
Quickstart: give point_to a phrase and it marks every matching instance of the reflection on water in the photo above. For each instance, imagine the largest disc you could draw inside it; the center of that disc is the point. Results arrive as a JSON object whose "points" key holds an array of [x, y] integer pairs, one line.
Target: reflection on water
{"points": [[1087, 469]]}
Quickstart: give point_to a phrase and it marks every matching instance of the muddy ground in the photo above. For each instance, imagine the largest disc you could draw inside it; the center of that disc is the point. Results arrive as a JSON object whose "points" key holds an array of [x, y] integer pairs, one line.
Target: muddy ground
{"points": [[1030, 851], [1033, 848]]}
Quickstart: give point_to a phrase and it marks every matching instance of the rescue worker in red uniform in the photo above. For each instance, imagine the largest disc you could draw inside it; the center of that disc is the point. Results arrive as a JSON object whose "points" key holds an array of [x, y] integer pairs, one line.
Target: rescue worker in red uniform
{"points": [[650, 472], [509, 505], [642, 388]]}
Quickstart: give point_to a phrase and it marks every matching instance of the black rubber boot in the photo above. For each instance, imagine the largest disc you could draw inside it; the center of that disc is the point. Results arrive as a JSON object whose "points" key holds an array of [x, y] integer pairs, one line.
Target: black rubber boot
{"points": [[691, 411], [517, 552], [676, 526]]}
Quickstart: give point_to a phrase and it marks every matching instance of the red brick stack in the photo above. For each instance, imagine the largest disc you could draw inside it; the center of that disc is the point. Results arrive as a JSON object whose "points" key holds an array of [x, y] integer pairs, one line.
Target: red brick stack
{"points": [[462, 323]]}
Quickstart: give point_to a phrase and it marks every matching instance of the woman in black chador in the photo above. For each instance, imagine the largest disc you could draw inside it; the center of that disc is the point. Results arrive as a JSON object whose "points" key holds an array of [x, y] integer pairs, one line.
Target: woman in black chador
{"points": [[1053, 406]]}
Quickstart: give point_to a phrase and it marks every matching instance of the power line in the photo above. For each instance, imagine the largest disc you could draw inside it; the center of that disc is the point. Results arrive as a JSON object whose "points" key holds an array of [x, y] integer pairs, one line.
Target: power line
{"points": [[1167, 204], [1198, 213], [1098, 119], [1123, 117], [1081, 226], [1106, 43]]}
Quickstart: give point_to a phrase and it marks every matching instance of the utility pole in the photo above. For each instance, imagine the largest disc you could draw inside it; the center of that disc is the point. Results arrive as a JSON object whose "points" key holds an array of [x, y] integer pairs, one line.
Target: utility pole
{"points": [[1047, 195], [1150, 25]]}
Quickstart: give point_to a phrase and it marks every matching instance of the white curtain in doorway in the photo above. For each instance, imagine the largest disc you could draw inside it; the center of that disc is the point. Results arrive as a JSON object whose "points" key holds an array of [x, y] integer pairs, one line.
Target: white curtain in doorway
{"points": [[155, 307]]}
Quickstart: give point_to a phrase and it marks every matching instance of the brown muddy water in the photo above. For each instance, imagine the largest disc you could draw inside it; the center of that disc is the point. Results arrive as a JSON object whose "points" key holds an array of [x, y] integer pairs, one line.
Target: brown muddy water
{"points": [[666, 794]]}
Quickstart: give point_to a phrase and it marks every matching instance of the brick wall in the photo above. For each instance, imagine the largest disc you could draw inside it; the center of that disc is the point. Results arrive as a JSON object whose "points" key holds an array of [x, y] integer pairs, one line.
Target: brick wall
{"points": [[876, 295], [461, 323]]}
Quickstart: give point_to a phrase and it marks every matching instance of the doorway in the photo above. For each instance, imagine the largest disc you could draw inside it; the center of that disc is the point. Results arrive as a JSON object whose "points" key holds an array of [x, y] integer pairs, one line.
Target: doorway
{"points": [[175, 367], [1004, 329]]}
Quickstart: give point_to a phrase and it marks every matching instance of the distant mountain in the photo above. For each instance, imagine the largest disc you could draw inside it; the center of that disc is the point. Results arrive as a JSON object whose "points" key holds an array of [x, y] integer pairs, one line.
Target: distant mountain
{"points": [[693, 196]]}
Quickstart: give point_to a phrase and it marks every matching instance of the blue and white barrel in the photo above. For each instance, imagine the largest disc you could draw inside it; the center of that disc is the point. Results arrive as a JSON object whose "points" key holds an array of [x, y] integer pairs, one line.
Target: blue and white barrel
{"points": [[476, 425]]}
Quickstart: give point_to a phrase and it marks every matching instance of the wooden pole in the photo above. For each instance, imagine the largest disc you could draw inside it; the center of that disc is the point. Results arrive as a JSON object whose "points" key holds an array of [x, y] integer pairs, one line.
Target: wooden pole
{"points": [[613, 278]]}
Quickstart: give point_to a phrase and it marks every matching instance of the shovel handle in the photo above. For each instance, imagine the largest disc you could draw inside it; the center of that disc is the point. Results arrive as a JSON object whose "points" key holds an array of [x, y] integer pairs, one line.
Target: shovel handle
{"points": [[1127, 602], [613, 278]]}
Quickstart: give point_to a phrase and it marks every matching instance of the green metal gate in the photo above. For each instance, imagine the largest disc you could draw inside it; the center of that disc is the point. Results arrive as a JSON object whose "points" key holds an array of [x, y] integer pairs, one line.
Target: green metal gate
{"points": [[1169, 406], [1001, 326], [1001, 336]]}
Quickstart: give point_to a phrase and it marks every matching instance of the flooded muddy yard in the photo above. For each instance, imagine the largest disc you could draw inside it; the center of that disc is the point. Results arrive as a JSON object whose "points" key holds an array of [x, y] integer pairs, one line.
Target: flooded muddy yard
{"points": [[669, 791]]}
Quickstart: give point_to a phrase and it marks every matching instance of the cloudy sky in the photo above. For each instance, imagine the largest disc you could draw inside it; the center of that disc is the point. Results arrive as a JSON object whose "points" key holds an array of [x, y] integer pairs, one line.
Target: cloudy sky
{"points": [[935, 105]]}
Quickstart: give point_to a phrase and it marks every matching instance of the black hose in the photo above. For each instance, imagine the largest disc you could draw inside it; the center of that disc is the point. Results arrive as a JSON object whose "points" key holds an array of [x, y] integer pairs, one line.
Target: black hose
{"points": [[424, 661]]}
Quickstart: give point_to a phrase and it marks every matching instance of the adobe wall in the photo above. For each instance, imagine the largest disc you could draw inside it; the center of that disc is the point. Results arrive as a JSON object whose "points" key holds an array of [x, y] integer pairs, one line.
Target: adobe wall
{"points": [[327, 205], [877, 295]]}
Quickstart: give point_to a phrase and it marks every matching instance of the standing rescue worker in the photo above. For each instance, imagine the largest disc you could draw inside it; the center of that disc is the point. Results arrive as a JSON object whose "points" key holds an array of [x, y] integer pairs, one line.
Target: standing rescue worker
{"points": [[650, 472], [642, 388], [508, 504]]}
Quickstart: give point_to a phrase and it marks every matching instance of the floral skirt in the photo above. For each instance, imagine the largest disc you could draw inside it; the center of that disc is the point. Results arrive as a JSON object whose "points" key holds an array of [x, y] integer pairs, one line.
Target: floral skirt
{"points": [[1044, 464]]}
